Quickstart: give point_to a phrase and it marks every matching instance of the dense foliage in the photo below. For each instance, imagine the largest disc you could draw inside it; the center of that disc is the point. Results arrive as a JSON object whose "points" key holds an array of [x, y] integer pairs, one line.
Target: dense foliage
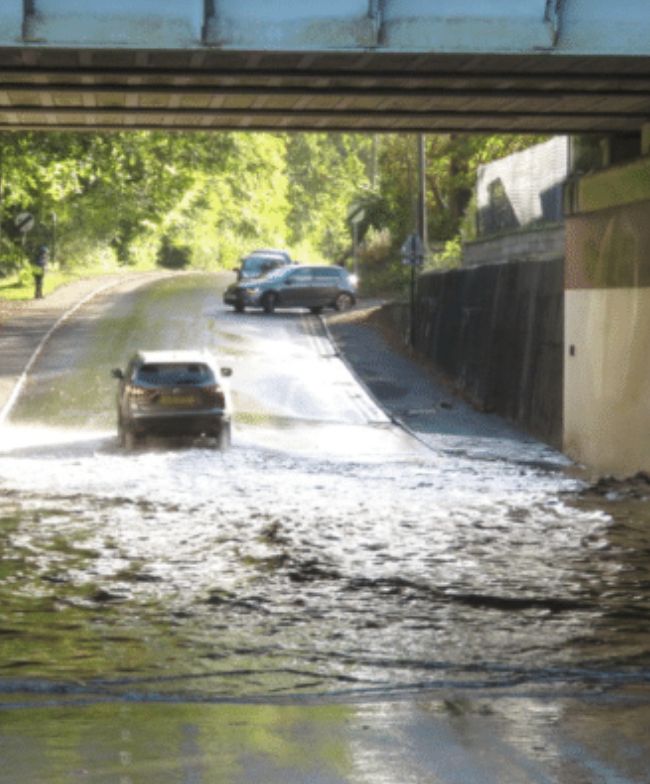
{"points": [[451, 166], [204, 199]]}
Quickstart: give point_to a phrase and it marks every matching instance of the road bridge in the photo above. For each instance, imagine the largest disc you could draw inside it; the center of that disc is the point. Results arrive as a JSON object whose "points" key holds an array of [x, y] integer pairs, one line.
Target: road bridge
{"points": [[543, 66], [556, 66]]}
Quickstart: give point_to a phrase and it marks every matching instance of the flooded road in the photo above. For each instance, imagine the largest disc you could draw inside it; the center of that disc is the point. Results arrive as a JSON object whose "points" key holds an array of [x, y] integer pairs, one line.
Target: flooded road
{"points": [[326, 554]]}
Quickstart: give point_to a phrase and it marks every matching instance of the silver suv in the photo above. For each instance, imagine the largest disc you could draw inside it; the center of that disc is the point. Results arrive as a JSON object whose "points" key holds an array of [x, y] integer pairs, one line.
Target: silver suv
{"points": [[260, 262], [172, 393], [295, 287]]}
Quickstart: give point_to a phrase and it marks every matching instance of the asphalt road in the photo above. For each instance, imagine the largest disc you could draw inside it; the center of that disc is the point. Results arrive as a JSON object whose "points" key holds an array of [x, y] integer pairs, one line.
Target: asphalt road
{"points": [[376, 585]]}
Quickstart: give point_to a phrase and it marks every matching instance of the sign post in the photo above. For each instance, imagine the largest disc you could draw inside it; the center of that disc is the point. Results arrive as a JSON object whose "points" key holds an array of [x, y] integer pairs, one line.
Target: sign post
{"points": [[413, 255], [54, 220], [356, 214]]}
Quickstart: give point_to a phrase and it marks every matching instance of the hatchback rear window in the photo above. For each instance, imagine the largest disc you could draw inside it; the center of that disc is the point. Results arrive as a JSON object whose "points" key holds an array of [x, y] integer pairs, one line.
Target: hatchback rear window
{"points": [[331, 272], [169, 374]]}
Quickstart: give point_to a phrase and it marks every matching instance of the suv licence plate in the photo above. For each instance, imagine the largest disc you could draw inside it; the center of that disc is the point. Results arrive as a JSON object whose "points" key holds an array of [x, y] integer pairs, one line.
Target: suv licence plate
{"points": [[177, 400]]}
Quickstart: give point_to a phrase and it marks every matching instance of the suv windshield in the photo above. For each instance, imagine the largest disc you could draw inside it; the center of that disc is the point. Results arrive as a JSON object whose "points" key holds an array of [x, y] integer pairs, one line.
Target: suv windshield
{"points": [[169, 374], [258, 265]]}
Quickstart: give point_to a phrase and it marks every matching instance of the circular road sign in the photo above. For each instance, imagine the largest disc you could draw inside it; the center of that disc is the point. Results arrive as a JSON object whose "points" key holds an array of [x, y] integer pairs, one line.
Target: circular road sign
{"points": [[24, 221]]}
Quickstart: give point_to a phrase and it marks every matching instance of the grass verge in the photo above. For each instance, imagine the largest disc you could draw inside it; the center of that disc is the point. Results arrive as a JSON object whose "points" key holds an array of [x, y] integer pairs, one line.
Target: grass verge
{"points": [[20, 286]]}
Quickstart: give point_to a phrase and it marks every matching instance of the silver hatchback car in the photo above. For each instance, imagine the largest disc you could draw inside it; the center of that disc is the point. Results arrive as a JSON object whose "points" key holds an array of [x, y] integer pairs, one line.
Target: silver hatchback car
{"points": [[297, 286], [260, 262]]}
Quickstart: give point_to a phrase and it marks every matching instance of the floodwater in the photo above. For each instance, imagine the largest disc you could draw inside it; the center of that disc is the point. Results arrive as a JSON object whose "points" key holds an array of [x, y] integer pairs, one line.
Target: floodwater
{"points": [[264, 571], [326, 553]]}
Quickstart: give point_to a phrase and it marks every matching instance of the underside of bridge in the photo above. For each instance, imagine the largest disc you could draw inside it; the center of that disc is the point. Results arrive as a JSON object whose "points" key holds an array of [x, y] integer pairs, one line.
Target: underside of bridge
{"points": [[68, 88], [549, 66]]}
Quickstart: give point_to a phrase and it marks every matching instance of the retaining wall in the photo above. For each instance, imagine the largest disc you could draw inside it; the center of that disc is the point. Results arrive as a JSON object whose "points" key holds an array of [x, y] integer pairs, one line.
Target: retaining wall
{"points": [[523, 189], [496, 331], [544, 243]]}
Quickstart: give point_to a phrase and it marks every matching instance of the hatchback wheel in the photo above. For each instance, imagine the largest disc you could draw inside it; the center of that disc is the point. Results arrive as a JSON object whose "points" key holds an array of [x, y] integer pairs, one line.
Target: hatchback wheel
{"points": [[343, 302], [269, 302]]}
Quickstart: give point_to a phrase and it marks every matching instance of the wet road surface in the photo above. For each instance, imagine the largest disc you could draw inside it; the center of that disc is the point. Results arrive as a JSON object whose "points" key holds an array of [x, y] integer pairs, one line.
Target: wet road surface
{"points": [[328, 557]]}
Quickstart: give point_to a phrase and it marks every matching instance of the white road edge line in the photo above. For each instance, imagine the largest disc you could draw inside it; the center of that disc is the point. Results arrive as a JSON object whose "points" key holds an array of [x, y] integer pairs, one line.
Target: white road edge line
{"points": [[18, 388], [374, 405]]}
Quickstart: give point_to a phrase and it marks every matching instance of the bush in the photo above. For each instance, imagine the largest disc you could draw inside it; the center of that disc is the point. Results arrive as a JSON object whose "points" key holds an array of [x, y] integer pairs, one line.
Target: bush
{"points": [[12, 257], [448, 256], [381, 271], [173, 255]]}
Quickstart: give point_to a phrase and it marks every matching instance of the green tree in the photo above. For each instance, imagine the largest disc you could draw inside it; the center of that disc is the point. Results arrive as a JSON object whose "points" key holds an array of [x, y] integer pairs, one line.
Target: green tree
{"points": [[452, 161], [205, 199], [325, 172]]}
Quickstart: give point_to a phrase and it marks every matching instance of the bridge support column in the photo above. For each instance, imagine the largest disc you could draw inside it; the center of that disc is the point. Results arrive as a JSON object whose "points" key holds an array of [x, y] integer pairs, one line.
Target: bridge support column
{"points": [[607, 320]]}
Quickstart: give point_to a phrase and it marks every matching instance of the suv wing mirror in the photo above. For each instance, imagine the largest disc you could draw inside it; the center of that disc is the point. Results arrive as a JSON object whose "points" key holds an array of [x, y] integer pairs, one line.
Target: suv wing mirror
{"points": [[117, 373]]}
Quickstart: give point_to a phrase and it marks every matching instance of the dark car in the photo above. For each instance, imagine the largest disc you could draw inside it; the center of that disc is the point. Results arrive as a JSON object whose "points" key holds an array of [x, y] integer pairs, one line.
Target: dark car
{"points": [[296, 286], [172, 393], [260, 262]]}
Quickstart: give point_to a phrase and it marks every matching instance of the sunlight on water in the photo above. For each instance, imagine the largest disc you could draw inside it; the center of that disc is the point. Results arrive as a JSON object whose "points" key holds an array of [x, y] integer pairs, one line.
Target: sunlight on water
{"points": [[19, 438], [328, 440]]}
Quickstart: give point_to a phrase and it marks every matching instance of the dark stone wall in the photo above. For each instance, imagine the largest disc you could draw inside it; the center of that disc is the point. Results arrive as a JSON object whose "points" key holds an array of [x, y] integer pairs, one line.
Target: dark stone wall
{"points": [[497, 332]]}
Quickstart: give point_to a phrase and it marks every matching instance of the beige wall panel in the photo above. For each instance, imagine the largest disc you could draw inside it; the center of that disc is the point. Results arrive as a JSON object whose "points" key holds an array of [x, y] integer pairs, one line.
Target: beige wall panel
{"points": [[607, 379], [609, 248]]}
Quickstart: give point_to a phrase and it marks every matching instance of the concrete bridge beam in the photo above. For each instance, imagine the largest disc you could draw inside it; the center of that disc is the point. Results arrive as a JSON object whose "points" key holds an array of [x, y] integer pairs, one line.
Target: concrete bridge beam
{"points": [[113, 23], [575, 27]]}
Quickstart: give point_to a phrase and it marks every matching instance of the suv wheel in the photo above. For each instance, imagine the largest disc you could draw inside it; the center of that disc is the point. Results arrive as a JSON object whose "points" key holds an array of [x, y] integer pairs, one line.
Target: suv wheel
{"points": [[121, 434], [222, 437], [343, 302], [129, 440], [269, 301]]}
